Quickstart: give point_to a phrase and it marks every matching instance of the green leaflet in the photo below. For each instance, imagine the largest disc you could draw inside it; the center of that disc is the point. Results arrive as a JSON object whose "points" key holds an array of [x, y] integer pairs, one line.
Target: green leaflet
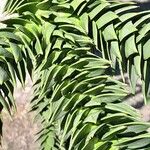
{"points": [[146, 54], [75, 101], [133, 77], [48, 28], [102, 145], [84, 22], [21, 72], [95, 33], [127, 17], [137, 62], [29, 6], [146, 81], [5, 53], [26, 42], [49, 141], [90, 144], [9, 35], [52, 58], [104, 98], [127, 30], [16, 51], [93, 116], [136, 128], [124, 108], [97, 10], [139, 144], [68, 88], [113, 132], [77, 3], [8, 91], [130, 47], [3, 75], [18, 21], [95, 91], [35, 30], [5, 104], [12, 5], [44, 4], [80, 135], [12, 73], [106, 18], [125, 141], [68, 126], [113, 117], [61, 89], [126, 8], [109, 33], [144, 30], [73, 28], [115, 49]]}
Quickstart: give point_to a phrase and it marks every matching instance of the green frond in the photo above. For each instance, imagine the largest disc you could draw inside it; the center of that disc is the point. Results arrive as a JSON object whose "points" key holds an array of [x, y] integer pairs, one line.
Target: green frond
{"points": [[70, 48]]}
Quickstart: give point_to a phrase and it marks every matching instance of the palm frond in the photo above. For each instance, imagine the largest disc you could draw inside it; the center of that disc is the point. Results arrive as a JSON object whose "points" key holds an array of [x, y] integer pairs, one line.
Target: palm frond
{"points": [[70, 49]]}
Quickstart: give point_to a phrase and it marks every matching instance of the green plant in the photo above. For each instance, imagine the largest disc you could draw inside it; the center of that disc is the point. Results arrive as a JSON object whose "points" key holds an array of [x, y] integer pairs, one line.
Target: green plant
{"points": [[71, 49]]}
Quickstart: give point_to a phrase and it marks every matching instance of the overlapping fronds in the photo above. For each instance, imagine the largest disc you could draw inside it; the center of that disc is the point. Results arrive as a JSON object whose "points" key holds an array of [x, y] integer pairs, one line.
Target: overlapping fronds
{"points": [[71, 48], [11, 65]]}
